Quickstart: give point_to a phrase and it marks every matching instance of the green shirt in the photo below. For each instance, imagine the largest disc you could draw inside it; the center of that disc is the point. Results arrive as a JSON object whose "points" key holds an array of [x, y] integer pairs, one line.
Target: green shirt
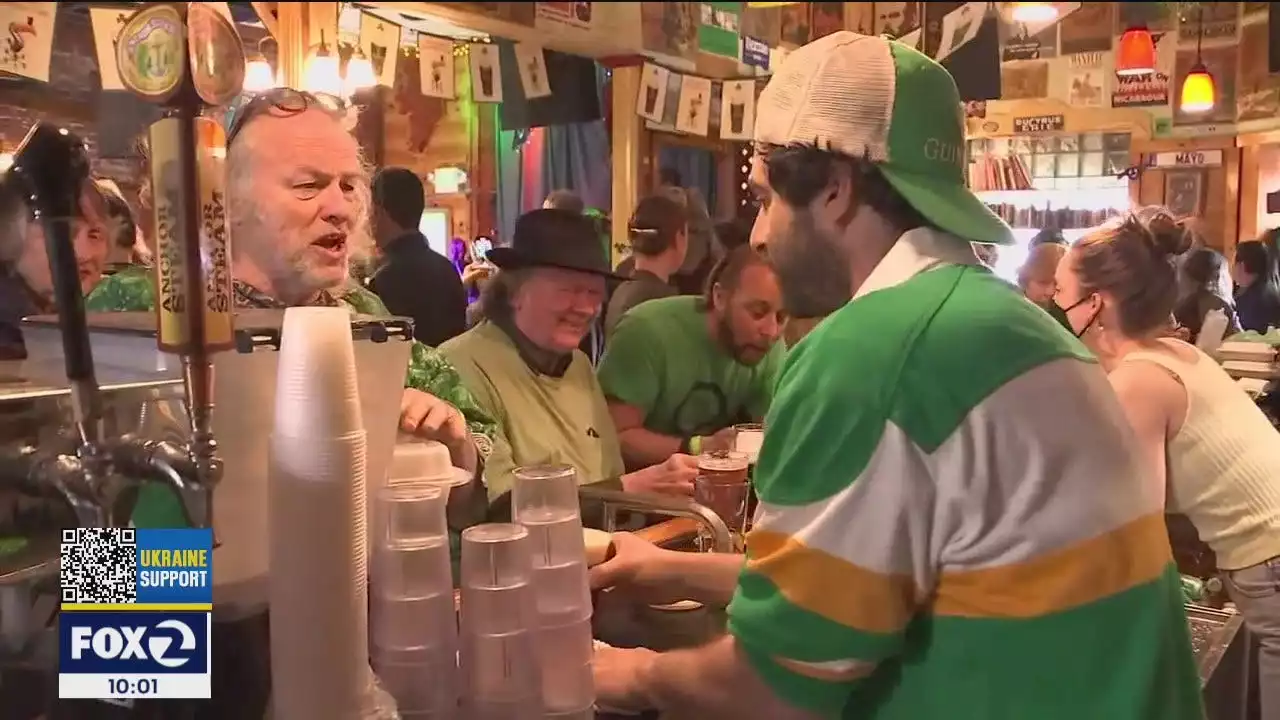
{"points": [[132, 290], [541, 419], [955, 521], [663, 360]]}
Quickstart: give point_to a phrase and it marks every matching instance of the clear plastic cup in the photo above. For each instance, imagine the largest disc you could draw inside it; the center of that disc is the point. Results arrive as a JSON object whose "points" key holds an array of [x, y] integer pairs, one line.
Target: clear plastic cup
{"points": [[495, 555], [423, 679], [563, 593], [555, 535], [412, 568], [399, 623], [564, 654], [567, 689], [501, 667], [411, 510], [544, 491], [570, 645], [498, 611]]}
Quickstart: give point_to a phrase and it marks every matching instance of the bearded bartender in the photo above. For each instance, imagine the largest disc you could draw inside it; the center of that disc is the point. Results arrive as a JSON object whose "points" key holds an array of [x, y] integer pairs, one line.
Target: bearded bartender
{"points": [[930, 543]]}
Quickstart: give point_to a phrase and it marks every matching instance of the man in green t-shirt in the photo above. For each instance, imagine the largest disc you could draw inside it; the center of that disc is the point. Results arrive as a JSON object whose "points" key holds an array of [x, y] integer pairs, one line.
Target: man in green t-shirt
{"points": [[680, 372]]}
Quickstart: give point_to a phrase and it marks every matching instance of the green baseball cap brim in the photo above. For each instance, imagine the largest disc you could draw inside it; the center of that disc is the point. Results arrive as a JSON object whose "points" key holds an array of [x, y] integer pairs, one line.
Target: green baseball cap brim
{"points": [[951, 207]]}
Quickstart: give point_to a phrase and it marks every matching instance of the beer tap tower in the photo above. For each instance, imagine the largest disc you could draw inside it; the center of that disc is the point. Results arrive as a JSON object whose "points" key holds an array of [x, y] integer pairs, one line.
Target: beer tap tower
{"points": [[188, 57]]}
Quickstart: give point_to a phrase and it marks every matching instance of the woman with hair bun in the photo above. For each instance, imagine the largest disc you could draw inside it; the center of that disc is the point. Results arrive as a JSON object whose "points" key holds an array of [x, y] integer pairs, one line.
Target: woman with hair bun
{"points": [[1209, 445]]}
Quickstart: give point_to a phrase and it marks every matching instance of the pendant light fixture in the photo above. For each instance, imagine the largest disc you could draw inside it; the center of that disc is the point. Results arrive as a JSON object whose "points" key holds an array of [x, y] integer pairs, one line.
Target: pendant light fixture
{"points": [[1034, 12], [1136, 54], [1199, 92]]}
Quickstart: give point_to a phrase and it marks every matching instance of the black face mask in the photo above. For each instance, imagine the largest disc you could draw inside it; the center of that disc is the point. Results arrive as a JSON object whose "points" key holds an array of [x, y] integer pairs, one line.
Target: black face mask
{"points": [[1066, 320]]}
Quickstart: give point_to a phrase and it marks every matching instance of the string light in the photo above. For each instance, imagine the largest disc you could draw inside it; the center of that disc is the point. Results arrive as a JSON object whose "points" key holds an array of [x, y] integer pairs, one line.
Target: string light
{"points": [[360, 75], [258, 73], [321, 74], [1034, 12]]}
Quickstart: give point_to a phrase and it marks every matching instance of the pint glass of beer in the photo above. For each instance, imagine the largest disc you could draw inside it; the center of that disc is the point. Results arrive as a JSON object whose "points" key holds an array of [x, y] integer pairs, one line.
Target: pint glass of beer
{"points": [[722, 486]]}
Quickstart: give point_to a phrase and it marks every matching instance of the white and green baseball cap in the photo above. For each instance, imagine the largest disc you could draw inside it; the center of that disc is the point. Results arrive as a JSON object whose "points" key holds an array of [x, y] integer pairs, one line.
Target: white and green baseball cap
{"points": [[871, 97]]}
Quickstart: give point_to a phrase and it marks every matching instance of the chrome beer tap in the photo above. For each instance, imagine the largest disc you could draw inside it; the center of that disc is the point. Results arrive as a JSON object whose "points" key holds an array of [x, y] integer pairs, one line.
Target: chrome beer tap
{"points": [[186, 57], [89, 471]]}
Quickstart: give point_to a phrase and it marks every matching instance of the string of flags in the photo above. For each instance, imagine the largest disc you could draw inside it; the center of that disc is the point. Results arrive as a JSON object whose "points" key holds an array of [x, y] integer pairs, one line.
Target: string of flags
{"points": [[692, 105], [670, 100]]}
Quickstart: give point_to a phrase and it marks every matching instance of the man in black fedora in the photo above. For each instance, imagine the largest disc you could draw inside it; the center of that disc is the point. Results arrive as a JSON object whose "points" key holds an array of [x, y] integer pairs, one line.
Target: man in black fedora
{"points": [[522, 361]]}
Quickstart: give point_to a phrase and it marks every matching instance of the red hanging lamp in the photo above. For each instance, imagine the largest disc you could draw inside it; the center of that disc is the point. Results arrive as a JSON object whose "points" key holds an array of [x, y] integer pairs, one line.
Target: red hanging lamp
{"points": [[1136, 53]]}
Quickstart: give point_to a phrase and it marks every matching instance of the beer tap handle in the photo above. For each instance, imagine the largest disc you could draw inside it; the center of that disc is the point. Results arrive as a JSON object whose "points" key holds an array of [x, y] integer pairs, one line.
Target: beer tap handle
{"points": [[51, 168]]}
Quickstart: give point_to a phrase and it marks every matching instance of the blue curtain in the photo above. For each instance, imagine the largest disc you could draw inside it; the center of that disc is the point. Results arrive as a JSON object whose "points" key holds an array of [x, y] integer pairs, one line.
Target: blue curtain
{"points": [[574, 157], [697, 169]]}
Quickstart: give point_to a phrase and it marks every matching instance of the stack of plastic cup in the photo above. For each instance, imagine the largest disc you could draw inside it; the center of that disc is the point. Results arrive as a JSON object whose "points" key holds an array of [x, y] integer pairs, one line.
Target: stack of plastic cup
{"points": [[413, 624], [317, 530], [498, 643], [544, 499]]}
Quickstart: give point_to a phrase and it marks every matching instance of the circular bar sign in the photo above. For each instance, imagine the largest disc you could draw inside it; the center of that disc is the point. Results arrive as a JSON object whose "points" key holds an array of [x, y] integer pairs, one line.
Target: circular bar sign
{"points": [[217, 55], [151, 52]]}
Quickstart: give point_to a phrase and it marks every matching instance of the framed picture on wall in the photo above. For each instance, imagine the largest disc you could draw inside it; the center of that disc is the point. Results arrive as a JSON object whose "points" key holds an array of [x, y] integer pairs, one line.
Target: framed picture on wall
{"points": [[1184, 193]]}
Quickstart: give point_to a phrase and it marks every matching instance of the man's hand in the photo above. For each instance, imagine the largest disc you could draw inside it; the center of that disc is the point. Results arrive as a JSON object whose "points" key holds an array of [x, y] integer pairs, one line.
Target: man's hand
{"points": [[430, 418], [638, 569], [673, 477], [619, 676], [722, 441]]}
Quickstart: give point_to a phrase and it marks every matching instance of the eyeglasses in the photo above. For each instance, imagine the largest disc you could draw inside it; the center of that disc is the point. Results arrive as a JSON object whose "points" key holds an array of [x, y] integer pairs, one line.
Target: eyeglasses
{"points": [[280, 102]]}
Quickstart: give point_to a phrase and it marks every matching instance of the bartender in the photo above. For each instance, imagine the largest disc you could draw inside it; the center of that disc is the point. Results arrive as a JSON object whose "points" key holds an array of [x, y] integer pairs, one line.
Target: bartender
{"points": [[930, 542]]}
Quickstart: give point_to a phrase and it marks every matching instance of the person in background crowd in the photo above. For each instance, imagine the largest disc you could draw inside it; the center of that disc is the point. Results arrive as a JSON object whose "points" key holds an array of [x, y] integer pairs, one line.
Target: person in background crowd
{"points": [[732, 234], [680, 372], [659, 237], [523, 364], [414, 280], [127, 247], [1048, 236], [1036, 276], [564, 200], [26, 284], [299, 210], [1201, 292], [1256, 274], [954, 521], [1209, 443]]}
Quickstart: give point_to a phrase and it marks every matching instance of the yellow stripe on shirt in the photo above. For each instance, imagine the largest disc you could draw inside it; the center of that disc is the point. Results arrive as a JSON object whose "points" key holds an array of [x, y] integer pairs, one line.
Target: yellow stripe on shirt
{"points": [[1106, 565], [830, 587]]}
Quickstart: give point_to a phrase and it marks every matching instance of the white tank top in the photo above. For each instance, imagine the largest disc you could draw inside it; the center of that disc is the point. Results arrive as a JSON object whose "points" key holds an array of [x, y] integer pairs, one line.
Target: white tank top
{"points": [[1223, 466]]}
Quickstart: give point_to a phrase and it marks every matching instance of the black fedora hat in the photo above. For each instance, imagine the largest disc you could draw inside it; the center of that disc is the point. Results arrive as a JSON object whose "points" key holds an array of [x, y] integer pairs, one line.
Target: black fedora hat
{"points": [[555, 238]]}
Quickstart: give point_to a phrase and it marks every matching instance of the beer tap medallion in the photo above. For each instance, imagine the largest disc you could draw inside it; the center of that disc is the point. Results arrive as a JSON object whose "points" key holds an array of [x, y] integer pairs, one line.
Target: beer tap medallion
{"points": [[151, 52], [217, 55]]}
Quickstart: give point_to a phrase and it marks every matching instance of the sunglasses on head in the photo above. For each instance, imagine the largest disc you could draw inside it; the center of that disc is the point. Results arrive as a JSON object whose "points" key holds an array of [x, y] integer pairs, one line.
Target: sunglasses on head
{"points": [[280, 102]]}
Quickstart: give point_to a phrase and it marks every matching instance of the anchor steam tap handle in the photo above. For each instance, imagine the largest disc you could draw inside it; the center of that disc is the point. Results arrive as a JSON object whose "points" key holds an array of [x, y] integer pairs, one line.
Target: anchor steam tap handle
{"points": [[51, 170]]}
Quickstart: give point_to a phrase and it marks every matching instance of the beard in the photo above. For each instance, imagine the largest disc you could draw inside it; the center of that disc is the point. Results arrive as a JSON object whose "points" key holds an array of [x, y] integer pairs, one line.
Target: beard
{"points": [[280, 253], [811, 268]]}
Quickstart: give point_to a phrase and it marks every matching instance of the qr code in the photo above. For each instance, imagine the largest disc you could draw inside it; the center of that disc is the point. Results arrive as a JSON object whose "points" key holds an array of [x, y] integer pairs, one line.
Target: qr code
{"points": [[99, 566]]}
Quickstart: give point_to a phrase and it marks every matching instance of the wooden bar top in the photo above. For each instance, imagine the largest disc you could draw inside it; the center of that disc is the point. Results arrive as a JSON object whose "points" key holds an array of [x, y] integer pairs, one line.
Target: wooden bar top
{"points": [[668, 531]]}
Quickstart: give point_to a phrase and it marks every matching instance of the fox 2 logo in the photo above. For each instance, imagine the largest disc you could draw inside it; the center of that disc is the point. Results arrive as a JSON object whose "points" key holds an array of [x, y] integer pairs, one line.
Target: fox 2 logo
{"points": [[134, 642]]}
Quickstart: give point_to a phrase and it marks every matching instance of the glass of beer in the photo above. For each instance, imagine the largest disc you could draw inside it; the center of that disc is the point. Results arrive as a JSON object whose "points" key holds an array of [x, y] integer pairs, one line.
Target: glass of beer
{"points": [[747, 439], [722, 486]]}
